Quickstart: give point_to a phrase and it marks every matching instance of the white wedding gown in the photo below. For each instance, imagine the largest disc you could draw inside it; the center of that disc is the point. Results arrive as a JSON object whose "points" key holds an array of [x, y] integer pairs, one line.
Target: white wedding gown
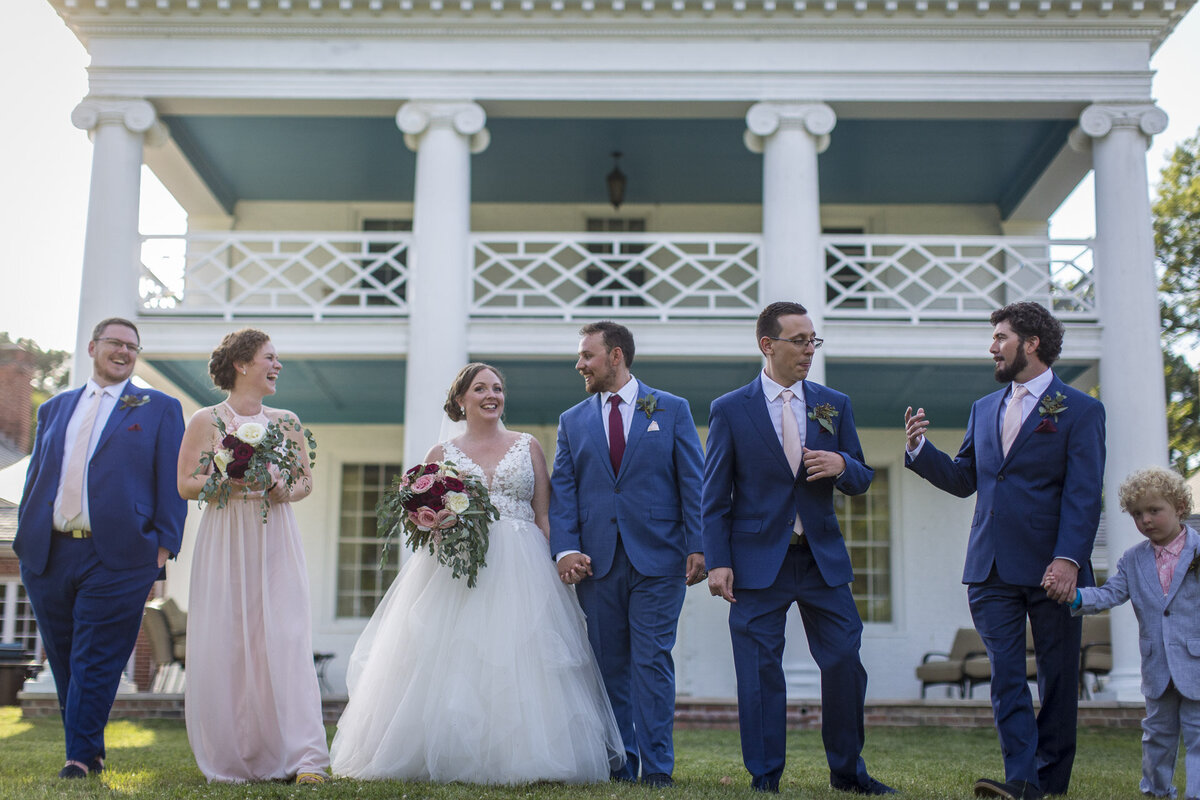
{"points": [[495, 684]]}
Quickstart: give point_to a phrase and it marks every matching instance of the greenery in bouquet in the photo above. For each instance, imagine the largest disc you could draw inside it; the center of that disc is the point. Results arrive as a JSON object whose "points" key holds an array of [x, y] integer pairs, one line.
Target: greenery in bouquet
{"points": [[442, 509], [243, 460]]}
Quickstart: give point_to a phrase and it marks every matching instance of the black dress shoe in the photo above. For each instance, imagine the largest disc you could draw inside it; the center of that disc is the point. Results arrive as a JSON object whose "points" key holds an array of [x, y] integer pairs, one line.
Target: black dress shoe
{"points": [[658, 780], [72, 771], [96, 766], [1017, 790], [871, 787], [764, 785]]}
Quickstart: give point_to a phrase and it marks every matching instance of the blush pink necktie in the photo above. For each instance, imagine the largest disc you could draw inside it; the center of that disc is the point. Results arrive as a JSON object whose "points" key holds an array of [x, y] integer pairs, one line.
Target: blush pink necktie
{"points": [[1012, 419], [72, 482], [792, 447]]}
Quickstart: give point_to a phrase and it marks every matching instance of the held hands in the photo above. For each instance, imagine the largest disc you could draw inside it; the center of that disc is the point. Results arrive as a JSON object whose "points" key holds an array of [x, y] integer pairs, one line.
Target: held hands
{"points": [[915, 426], [1059, 580], [574, 567], [720, 583], [695, 568], [823, 464]]}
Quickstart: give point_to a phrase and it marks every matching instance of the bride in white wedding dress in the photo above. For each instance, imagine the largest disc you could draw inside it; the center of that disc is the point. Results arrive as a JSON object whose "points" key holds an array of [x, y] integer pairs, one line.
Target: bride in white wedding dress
{"points": [[492, 684]]}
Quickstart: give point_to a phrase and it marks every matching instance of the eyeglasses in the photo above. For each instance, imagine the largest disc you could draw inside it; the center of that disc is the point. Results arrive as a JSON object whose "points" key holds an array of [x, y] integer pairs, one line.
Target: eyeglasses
{"points": [[119, 345], [801, 342]]}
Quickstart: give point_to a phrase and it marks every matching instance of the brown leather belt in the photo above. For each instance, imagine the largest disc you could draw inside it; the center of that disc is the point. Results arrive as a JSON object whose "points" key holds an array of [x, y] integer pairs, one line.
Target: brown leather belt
{"points": [[74, 534]]}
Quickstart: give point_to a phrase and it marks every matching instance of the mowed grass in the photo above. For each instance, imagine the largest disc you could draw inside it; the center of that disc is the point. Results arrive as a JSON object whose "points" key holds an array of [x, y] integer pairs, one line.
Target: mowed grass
{"points": [[151, 759]]}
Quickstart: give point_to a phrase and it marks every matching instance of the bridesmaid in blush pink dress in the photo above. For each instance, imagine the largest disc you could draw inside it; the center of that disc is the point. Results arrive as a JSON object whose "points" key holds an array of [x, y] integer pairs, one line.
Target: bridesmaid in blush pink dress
{"points": [[252, 703]]}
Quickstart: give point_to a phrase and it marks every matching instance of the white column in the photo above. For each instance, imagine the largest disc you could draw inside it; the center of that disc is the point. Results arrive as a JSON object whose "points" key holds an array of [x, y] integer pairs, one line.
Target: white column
{"points": [[1131, 368], [112, 246], [792, 265], [444, 135]]}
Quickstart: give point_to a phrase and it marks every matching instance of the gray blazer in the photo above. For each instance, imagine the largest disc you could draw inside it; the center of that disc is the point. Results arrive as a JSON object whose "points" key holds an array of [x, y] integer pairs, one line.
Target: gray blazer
{"points": [[1169, 627]]}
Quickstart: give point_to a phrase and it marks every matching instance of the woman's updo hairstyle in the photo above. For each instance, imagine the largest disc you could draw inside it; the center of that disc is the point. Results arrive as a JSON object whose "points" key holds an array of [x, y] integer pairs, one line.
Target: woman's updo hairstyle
{"points": [[460, 384], [238, 347]]}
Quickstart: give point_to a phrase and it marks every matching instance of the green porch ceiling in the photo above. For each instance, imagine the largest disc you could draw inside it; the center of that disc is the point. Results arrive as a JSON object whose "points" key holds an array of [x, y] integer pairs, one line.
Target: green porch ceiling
{"points": [[361, 159], [365, 391]]}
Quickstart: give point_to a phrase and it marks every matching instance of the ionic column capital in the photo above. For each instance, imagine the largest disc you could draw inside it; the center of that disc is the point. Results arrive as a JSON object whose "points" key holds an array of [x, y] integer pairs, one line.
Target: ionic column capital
{"points": [[467, 119], [765, 119], [1100, 119], [138, 116]]}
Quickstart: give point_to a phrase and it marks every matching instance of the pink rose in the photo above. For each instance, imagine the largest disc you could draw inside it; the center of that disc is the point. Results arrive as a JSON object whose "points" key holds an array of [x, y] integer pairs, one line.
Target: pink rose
{"points": [[427, 518], [446, 519], [422, 484]]}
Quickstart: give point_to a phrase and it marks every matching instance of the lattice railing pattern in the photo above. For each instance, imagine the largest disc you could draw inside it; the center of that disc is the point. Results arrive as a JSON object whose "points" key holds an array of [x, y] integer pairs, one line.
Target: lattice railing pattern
{"points": [[635, 275], [571, 275], [286, 274], [955, 277]]}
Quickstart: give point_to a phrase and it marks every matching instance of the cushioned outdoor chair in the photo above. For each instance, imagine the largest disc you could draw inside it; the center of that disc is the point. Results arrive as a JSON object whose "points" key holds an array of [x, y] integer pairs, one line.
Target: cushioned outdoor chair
{"points": [[938, 668]]}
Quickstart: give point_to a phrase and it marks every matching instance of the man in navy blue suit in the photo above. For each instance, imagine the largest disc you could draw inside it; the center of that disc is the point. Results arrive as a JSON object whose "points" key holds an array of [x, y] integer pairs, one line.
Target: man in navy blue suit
{"points": [[99, 516], [1034, 456], [777, 448], [625, 527]]}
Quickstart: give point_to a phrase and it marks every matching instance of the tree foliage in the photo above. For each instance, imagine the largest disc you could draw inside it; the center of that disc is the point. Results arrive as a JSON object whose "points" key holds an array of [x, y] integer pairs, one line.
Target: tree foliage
{"points": [[51, 368], [1177, 249]]}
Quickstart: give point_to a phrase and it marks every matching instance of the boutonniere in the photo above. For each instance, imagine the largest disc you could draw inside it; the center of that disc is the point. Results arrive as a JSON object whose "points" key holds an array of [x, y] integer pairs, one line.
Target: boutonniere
{"points": [[1194, 567], [133, 401], [1050, 408], [648, 405], [824, 414]]}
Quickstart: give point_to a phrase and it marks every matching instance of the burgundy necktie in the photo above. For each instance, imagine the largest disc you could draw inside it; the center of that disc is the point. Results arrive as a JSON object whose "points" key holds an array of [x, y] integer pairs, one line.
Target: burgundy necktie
{"points": [[616, 433]]}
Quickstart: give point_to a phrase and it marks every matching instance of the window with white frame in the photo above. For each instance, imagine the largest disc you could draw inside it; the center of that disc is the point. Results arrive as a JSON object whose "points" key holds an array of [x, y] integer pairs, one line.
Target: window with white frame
{"points": [[17, 623], [866, 522], [361, 581], [618, 279]]}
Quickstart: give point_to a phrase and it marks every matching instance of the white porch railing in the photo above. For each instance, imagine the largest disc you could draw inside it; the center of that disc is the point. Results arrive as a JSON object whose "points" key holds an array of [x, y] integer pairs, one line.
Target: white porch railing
{"points": [[240, 274], [570, 275], [576, 275], [955, 277]]}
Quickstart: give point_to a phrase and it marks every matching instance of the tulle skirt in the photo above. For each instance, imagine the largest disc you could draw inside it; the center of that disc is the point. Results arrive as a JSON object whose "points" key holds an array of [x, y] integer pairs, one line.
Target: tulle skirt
{"points": [[495, 684]]}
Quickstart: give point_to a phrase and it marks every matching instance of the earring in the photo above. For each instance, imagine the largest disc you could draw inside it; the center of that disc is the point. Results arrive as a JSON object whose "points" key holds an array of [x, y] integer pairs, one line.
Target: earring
{"points": [[243, 370], [462, 409]]}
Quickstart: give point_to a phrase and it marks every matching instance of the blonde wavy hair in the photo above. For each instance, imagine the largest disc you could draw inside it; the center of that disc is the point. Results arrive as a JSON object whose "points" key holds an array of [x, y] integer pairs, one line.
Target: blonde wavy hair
{"points": [[1156, 480]]}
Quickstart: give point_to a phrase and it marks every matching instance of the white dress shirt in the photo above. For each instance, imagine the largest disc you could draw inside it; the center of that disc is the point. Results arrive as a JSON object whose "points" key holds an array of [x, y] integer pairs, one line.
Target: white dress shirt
{"points": [[108, 401], [628, 394]]}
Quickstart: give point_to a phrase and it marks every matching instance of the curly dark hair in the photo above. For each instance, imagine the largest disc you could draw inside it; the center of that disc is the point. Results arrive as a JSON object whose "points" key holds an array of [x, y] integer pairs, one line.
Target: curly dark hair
{"points": [[768, 320], [462, 381], [1031, 319], [613, 334], [236, 348]]}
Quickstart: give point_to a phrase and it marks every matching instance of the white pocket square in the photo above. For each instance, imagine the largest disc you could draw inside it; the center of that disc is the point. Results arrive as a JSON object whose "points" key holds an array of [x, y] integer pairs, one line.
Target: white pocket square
{"points": [[653, 426]]}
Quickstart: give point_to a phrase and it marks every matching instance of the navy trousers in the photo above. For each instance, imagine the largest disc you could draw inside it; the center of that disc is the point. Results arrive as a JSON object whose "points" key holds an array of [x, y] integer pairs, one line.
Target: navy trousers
{"points": [[834, 632], [88, 617], [632, 620], [1039, 750]]}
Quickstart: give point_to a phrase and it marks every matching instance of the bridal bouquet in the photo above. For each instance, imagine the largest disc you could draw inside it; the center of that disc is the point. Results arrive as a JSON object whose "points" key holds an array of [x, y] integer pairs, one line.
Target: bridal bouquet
{"points": [[442, 509], [245, 455]]}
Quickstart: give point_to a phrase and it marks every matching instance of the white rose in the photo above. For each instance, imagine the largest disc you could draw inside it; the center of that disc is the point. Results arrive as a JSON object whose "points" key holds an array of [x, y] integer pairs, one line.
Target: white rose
{"points": [[456, 502], [222, 458], [251, 433]]}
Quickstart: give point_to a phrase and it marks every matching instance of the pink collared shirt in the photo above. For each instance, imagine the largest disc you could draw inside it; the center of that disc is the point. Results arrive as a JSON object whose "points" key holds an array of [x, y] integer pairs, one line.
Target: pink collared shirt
{"points": [[1166, 557]]}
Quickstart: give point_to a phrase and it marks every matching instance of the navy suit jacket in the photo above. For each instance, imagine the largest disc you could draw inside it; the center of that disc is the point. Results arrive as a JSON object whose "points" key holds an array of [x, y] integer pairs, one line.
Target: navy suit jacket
{"points": [[751, 497], [654, 501], [1168, 625], [1038, 503], [133, 501]]}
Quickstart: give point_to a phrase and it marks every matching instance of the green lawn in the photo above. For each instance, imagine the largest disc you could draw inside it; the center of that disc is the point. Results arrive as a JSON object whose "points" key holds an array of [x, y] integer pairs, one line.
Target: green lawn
{"points": [[151, 759]]}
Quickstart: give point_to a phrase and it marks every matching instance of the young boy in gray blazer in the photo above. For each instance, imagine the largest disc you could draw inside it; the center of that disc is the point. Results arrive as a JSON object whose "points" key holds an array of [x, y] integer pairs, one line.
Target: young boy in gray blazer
{"points": [[1162, 577]]}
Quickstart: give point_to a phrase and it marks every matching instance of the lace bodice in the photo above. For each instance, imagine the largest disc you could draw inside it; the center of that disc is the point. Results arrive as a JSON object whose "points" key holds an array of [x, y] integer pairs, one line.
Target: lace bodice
{"points": [[511, 487]]}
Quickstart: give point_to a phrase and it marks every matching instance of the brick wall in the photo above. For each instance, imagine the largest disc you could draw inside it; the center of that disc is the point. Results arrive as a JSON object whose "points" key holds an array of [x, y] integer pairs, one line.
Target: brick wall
{"points": [[16, 371]]}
